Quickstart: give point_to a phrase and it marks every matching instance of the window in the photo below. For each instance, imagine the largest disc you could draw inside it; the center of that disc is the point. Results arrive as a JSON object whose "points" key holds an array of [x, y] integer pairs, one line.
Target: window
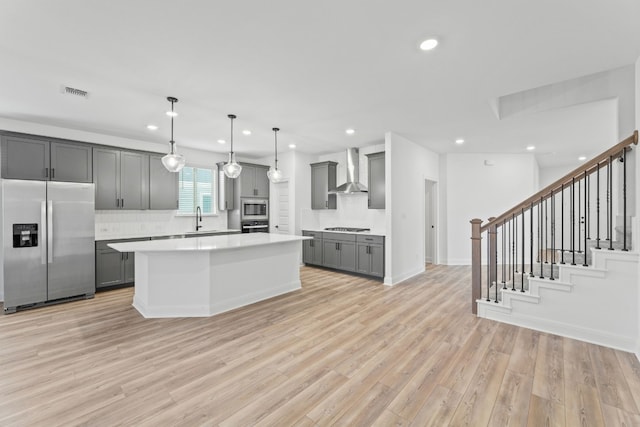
{"points": [[196, 189]]}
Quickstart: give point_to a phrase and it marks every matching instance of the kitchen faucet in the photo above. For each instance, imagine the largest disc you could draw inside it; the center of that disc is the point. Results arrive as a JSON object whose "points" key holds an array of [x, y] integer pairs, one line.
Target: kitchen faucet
{"points": [[198, 218]]}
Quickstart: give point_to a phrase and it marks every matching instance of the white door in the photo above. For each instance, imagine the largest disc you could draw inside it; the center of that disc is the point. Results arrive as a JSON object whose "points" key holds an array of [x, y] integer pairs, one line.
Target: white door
{"points": [[280, 223]]}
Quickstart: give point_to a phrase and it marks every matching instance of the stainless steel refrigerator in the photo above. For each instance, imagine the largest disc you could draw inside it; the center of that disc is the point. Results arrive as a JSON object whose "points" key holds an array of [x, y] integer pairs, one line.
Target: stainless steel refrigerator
{"points": [[48, 236]]}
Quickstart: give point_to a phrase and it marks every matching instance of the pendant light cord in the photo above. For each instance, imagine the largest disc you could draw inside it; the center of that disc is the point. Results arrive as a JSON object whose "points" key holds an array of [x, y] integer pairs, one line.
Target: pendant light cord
{"points": [[275, 131], [172, 141], [231, 116]]}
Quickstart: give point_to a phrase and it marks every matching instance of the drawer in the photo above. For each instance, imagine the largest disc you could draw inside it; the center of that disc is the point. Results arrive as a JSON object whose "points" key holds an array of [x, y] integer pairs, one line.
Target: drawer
{"points": [[314, 234], [340, 237], [364, 238]]}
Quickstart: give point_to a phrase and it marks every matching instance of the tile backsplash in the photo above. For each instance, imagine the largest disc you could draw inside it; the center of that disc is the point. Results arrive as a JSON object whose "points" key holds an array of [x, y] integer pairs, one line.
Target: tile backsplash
{"points": [[352, 211], [123, 224]]}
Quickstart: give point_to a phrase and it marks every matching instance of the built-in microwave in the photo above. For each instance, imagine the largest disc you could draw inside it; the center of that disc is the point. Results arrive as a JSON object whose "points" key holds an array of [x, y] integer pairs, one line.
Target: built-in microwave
{"points": [[254, 209]]}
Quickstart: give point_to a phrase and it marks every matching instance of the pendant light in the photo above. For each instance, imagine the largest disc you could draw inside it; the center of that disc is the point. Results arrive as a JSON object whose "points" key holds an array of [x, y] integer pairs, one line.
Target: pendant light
{"points": [[274, 174], [173, 161], [232, 169]]}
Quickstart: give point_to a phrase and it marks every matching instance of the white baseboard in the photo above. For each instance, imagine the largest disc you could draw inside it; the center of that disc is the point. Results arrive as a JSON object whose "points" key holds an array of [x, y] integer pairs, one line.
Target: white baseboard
{"points": [[593, 336], [394, 280]]}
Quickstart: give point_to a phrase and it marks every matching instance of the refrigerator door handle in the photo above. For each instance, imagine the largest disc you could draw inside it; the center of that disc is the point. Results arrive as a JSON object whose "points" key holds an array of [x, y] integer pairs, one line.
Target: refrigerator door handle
{"points": [[50, 231], [43, 226]]}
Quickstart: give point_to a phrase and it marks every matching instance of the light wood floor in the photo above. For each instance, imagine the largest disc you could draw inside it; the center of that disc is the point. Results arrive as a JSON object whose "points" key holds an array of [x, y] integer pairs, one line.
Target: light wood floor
{"points": [[343, 350]]}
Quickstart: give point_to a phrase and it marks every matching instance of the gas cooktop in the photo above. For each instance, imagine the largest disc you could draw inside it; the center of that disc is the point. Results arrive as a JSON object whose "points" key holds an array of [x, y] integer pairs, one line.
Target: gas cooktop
{"points": [[349, 229]]}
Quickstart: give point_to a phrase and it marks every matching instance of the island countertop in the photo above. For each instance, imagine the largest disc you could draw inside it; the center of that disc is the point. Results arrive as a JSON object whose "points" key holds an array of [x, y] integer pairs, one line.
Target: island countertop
{"points": [[209, 243]]}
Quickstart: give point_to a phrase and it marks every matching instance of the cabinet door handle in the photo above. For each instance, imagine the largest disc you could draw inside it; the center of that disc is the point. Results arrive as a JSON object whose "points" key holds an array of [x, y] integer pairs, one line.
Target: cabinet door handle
{"points": [[46, 172], [122, 203], [117, 202], [53, 173]]}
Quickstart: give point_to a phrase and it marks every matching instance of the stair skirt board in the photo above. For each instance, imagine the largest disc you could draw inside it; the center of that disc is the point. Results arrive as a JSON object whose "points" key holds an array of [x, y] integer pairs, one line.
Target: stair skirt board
{"points": [[607, 289], [505, 315]]}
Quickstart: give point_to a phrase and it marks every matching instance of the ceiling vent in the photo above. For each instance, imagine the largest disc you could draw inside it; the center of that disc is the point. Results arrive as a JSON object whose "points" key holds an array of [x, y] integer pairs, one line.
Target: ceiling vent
{"points": [[73, 91]]}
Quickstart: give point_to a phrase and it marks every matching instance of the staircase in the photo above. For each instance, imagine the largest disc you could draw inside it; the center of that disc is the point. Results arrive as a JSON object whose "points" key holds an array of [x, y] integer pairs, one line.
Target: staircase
{"points": [[562, 267]]}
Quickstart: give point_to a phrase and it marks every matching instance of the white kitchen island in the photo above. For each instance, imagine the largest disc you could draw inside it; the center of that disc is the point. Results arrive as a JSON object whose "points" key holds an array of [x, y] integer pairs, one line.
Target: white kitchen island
{"points": [[204, 276]]}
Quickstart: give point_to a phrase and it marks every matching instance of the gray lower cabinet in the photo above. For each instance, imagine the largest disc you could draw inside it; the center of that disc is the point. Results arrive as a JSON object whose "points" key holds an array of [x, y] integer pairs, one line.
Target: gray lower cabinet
{"points": [[45, 160], [376, 181], [163, 185], [312, 249], [370, 250], [323, 180], [114, 268], [339, 251], [121, 178], [362, 254]]}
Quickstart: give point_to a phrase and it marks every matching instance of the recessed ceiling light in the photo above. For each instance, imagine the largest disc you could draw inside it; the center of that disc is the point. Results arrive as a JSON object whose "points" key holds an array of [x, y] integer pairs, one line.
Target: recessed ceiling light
{"points": [[152, 127], [172, 113], [429, 44], [246, 132], [582, 158], [530, 147], [221, 141], [350, 131], [459, 141], [292, 146]]}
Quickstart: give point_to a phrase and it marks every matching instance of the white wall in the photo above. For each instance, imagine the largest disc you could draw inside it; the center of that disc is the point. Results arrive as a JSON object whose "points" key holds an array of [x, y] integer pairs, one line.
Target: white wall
{"points": [[408, 165], [475, 190]]}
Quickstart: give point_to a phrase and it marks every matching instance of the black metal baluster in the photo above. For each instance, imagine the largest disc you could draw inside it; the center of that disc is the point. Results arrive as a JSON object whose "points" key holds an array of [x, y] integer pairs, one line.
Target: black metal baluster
{"points": [[504, 264], [540, 240], [508, 250], [531, 240], [610, 201], [522, 275], [573, 221], [489, 265], [587, 230], [546, 232], [513, 232], [553, 232], [586, 221], [495, 247], [579, 217], [598, 206], [624, 199], [515, 244], [562, 223]]}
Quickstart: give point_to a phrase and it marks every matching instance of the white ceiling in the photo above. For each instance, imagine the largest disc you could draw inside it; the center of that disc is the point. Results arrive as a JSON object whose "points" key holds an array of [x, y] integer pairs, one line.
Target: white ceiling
{"points": [[313, 69]]}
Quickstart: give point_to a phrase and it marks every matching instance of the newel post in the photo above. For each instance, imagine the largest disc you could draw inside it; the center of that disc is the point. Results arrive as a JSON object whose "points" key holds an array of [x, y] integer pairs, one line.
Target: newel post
{"points": [[476, 263]]}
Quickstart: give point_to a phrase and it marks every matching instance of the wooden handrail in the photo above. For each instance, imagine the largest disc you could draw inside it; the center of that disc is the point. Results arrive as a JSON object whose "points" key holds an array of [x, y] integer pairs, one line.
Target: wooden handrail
{"points": [[589, 167]]}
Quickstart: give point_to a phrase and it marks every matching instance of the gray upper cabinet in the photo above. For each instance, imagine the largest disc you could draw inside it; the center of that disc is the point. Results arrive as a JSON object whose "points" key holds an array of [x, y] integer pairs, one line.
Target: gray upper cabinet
{"points": [[323, 180], [41, 159], [226, 190], [24, 158], [71, 162], [376, 180], [106, 176], [254, 181], [134, 180], [163, 186], [121, 178]]}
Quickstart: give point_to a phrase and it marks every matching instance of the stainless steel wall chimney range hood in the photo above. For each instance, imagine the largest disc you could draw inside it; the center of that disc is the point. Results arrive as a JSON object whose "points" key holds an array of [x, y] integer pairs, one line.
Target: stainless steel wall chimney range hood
{"points": [[352, 186]]}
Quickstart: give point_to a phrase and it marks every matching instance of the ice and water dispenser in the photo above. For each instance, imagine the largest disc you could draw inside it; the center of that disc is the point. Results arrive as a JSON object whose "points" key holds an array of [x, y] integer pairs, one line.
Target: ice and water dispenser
{"points": [[25, 235]]}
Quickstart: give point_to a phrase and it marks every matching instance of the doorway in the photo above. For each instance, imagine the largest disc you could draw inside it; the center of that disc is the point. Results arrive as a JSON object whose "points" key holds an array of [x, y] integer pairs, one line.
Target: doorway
{"points": [[431, 221]]}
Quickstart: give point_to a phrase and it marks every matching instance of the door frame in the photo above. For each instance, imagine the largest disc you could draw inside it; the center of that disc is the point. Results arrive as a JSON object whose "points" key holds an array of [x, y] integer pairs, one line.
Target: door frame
{"points": [[432, 206]]}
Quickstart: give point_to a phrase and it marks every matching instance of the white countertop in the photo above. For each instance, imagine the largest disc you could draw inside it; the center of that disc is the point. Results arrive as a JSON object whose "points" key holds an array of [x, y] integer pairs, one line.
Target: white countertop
{"points": [[209, 243], [123, 236], [369, 233]]}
